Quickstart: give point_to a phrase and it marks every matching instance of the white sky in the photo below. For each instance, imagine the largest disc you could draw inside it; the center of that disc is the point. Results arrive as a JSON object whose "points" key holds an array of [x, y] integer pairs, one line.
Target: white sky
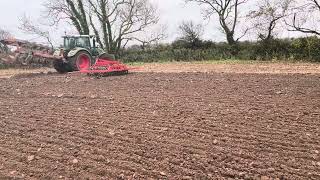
{"points": [[172, 13]]}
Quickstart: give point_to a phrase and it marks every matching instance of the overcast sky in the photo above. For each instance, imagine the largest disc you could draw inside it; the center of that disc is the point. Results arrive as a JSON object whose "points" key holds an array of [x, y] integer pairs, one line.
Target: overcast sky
{"points": [[172, 12]]}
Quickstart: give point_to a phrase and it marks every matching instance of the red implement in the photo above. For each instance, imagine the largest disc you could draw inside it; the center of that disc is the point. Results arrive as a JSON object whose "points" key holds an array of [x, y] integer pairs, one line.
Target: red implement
{"points": [[104, 67]]}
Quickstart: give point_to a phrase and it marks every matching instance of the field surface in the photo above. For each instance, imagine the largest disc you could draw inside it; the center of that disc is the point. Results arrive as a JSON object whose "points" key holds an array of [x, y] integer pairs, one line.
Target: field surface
{"points": [[162, 125]]}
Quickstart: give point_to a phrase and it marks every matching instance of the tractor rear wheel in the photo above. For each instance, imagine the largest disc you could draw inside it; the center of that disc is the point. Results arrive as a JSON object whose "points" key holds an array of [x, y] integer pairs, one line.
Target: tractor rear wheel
{"points": [[82, 60]]}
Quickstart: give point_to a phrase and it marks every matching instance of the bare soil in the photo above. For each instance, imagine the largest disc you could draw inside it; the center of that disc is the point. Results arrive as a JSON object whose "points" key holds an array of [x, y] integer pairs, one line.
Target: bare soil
{"points": [[233, 67], [218, 67], [7, 73], [160, 126]]}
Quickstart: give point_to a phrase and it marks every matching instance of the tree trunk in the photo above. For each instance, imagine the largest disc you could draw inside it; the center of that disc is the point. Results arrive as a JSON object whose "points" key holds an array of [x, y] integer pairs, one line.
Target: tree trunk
{"points": [[230, 39]]}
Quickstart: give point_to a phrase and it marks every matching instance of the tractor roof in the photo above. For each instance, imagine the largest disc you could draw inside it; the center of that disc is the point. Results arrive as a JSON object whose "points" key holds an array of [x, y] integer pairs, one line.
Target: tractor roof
{"points": [[77, 36]]}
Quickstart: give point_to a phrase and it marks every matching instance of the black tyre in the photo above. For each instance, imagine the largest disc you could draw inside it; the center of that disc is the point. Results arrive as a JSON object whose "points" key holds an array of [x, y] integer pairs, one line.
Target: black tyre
{"points": [[82, 60], [61, 66]]}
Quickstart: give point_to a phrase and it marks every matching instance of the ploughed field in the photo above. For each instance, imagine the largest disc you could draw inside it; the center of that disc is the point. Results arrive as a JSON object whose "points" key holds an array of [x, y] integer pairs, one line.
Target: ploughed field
{"points": [[161, 126]]}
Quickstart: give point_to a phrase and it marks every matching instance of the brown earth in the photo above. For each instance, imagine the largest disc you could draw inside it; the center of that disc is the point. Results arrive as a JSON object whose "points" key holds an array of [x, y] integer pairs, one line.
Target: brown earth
{"points": [[161, 126], [234, 67], [7, 73], [218, 67]]}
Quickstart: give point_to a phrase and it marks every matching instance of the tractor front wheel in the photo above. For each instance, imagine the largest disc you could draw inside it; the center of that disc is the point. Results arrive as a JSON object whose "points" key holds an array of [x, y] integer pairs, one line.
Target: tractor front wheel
{"points": [[61, 66], [82, 60]]}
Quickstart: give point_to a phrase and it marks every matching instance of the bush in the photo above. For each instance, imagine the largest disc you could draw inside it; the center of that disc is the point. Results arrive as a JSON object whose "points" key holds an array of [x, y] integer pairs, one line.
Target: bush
{"points": [[307, 49]]}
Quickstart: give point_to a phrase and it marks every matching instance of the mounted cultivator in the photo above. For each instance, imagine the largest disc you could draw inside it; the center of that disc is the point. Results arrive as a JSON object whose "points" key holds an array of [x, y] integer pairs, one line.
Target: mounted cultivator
{"points": [[79, 53], [104, 67]]}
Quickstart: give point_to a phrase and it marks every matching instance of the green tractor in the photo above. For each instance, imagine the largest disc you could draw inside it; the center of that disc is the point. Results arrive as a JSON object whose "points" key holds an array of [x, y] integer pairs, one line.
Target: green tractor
{"points": [[78, 52]]}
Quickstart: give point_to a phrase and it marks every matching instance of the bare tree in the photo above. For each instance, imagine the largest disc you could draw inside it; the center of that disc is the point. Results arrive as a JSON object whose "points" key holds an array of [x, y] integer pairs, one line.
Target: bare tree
{"points": [[305, 17], [228, 13], [121, 20], [4, 34], [28, 27], [114, 22], [191, 32], [268, 16]]}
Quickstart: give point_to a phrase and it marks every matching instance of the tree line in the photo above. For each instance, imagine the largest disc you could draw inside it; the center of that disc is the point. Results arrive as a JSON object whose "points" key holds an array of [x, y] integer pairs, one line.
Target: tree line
{"points": [[117, 22], [265, 20]]}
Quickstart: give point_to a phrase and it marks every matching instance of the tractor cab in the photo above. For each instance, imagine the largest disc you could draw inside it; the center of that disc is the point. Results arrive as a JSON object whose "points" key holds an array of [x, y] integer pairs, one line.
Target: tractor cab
{"points": [[83, 41]]}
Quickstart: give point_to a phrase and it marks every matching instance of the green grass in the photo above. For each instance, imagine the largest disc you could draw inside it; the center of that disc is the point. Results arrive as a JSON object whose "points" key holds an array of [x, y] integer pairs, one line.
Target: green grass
{"points": [[226, 61], [135, 63]]}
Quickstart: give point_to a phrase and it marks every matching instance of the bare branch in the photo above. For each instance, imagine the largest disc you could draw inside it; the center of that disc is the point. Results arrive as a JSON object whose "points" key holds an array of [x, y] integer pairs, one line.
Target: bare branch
{"points": [[302, 17], [299, 28], [112, 21], [158, 33], [267, 16], [228, 13], [27, 26]]}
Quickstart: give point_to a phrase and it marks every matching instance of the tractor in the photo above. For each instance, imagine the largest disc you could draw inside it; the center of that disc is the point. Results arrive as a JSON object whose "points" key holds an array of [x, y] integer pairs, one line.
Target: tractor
{"points": [[78, 52]]}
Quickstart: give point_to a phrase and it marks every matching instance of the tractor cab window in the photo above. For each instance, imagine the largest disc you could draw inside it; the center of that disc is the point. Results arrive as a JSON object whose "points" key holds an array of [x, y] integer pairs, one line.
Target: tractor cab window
{"points": [[72, 42], [69, 43], [83, 42]]}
